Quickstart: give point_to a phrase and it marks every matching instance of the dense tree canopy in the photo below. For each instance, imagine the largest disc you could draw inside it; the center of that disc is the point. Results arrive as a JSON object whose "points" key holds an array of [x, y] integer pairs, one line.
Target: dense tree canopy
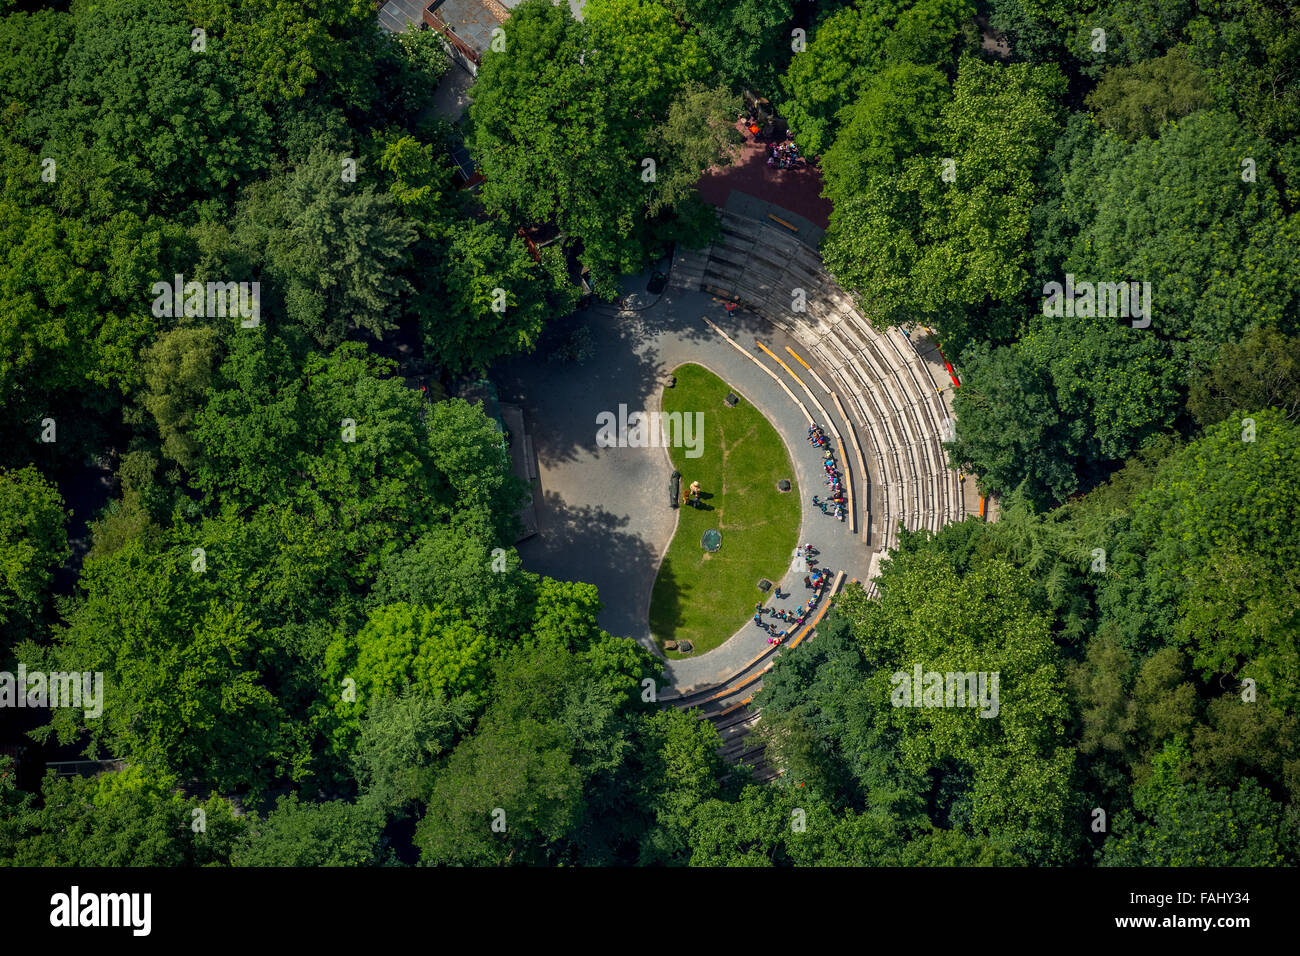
{"points": [[946, 232], [565, 119], [290, 555], [33, 542]]}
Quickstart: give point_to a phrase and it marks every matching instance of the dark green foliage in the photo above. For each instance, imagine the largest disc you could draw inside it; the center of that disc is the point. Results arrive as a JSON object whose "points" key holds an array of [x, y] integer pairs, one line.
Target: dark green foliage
{"points": [[33, 542], [129, 58], [1136, 101], [333, 250], [853, 44], [300, 582], [746, 40], [1223, 510], [513, 791], [119, 819], [334, 833], [1190, 824], [1260, 371]]}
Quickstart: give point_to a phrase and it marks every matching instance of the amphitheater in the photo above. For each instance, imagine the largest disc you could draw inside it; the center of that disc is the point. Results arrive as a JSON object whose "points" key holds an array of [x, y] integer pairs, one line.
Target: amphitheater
{"points": [[810, 355], [884, 387]]}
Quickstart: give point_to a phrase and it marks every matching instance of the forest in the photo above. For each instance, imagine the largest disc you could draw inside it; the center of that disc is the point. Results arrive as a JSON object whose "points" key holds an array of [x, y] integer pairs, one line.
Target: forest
{"points": [[308, 658]]}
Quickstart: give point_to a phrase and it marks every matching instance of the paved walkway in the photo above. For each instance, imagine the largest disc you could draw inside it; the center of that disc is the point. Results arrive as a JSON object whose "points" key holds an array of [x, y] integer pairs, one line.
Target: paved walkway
{"points": [[604, 512]]}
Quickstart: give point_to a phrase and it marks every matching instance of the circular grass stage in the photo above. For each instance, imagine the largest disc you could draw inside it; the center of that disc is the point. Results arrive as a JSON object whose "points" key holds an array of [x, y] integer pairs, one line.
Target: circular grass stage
{"points": [[705, 597]]}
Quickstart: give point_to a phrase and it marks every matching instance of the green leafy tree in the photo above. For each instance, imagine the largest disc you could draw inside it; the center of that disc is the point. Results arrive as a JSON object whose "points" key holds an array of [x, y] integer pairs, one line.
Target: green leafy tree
{"points": [[458, 565], [749, 832], [1008, 776], [746, 40], [33, 542], [1180, 824], [519, 770], [1127, 714], [561, 120], [1136, 101], [681, 767], [1260, 371], [425, 61], [546, 760], [1238, 739], [1207, 561], [66, 338], [809, 703], [401, 739], [649, 57], [434, 650], [184, 688], [1009, 428], [1250, 50], [334, 250], [494, 298], [170, 118], [468, 451], [420, 184], [913, 244], [700, 131], [896, 117], [32, 48], [332, 833], [1176, 213], [284, 50], [566, 614], [119, 819], [342, 439], [178, 369], [850, 46], [1056, 408]]}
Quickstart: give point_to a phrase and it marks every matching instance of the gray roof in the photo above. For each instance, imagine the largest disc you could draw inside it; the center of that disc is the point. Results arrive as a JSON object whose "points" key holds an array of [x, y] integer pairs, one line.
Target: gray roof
{"points": [[396, 14], [471, 20]]}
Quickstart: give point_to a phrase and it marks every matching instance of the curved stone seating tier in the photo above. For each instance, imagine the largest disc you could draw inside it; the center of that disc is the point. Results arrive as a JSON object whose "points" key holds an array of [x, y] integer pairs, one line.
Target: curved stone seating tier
{"points": [[886, 463], [728, 704], [889, 391]]}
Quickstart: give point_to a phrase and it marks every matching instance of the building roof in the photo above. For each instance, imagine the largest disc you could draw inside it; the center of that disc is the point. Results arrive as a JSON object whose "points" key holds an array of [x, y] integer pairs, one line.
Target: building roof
{"points": [[471, 20], [395, 15]]}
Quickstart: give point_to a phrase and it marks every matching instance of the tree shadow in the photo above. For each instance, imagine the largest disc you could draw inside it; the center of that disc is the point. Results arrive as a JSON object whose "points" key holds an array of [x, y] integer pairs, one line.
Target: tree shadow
{"points": [[666, 603], [562, 399], [588, 543]]}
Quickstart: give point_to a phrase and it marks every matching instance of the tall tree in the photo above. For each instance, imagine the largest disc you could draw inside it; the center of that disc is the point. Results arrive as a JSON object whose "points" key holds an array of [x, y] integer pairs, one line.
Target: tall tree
{"points": [[561, 120], [1222, 510], [334, 247], [167, 113], [850, 46], [949, 233], [33, 542]]}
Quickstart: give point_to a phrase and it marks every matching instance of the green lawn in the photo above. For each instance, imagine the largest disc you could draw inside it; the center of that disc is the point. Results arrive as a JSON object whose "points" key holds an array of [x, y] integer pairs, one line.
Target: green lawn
{"points": [[704, 597]]}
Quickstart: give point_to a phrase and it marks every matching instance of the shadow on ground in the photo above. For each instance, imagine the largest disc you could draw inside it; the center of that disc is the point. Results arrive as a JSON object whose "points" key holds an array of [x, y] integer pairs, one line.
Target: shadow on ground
{"points": [[567, 395], [588, 543]]}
